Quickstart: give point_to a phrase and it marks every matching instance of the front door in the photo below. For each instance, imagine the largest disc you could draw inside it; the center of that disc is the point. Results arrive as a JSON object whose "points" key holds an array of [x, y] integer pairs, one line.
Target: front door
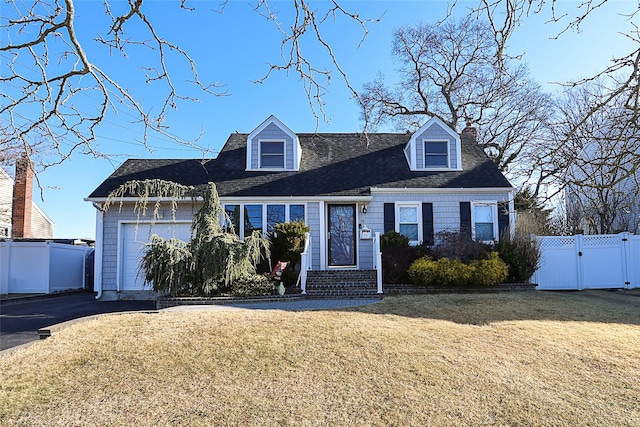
{"points": [[342, 235]]}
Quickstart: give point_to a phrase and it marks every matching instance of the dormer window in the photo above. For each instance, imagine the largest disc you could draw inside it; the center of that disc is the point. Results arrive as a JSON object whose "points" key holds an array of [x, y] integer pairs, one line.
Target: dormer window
{"points": [[436, 154], [272, 154], [273, 147], [435, 147]]}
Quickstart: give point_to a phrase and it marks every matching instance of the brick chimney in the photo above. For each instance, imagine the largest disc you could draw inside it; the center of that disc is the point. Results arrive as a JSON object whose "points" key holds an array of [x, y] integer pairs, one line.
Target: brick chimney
{"points": [[470, 132], [22, 198]]}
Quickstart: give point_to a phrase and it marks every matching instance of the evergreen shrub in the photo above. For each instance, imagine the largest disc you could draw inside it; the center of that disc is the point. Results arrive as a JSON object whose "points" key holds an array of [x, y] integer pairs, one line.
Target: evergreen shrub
{"points": [[287, 244], [455, 273], [397, 256], [254, 285]]}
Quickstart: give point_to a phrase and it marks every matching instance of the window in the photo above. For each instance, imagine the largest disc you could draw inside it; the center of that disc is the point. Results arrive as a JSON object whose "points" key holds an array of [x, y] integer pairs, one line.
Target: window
{"points": [[233, 211], [247, 218], [275, 215], [272, 154], [296, 213], [252, 219], [436, 154], [484, 221], [408, 223]]}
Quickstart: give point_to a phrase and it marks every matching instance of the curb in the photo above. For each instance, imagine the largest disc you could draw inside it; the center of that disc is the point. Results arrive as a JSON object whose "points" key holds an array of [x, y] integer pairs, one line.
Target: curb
{"points": [[48, 331]]}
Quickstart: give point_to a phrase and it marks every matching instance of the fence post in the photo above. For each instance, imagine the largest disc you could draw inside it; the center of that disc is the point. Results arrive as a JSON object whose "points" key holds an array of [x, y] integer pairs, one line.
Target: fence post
{"points": [[626, 250], [377, 253], [579, 254]]}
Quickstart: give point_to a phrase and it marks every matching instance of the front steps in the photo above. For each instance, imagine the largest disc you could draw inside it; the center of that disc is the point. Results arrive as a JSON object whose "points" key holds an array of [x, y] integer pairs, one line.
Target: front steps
{"points": [[342, 284]]}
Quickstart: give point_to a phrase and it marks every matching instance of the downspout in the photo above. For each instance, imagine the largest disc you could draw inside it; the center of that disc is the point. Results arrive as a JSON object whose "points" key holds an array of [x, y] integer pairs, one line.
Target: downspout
{"points": [[97, 260]]}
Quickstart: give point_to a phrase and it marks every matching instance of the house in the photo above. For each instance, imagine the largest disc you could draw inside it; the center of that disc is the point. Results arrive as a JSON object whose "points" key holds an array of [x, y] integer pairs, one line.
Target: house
{"points": [[347, 188], [20, 217]]}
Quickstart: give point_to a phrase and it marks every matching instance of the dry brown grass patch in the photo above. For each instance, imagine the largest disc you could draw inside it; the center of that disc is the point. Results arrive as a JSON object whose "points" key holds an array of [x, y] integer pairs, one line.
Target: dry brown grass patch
{"points": [[508, 359]]}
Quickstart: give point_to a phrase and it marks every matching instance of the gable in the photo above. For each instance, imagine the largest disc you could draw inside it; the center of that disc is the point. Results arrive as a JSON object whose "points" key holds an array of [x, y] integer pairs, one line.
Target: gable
{"points": [[273, 146], [434, 147]]}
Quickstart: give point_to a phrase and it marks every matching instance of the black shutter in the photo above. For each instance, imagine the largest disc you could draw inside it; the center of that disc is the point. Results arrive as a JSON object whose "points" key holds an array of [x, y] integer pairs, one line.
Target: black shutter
{"points": [[503, 218], [389, 217], [465, 219], [427, 223]]}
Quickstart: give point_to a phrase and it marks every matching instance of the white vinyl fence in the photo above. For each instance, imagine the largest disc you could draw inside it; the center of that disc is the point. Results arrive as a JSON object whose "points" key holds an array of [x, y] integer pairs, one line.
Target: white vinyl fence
{"points": [[41, 267], [610, 261]]}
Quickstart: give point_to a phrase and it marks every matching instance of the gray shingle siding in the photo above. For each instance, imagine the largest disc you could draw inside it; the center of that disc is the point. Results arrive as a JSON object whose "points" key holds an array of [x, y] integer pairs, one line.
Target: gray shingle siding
{"points": [[272, 132], [446, 207], [436, 132]]}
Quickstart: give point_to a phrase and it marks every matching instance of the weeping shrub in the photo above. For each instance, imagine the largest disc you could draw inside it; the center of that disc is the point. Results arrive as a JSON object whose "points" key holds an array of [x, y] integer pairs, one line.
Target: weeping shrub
{"points": [[166, 264], [211, 261]]}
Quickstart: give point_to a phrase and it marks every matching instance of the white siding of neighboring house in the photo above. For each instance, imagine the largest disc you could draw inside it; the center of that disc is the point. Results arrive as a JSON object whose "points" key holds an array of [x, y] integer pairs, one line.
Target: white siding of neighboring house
{"points": [[41, 225], [6, 197]]}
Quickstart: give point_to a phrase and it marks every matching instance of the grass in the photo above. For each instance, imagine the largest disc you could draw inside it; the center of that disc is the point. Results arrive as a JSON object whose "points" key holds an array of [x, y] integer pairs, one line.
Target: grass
{"points": [[504, 359]]}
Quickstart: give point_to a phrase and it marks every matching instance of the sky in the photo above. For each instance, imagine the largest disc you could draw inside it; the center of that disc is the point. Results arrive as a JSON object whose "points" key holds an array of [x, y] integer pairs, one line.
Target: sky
{"points": [[234, 46]]}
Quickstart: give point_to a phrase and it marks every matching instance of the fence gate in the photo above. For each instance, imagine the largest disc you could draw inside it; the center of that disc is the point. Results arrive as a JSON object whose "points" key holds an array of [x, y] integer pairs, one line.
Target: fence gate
{"points": [[589, 262]]}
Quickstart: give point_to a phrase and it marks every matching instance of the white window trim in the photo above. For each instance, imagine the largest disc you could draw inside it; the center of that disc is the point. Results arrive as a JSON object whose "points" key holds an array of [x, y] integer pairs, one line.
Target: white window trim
{"points": [[424, 155], [284, 155], [418, 206], [494, 206]]}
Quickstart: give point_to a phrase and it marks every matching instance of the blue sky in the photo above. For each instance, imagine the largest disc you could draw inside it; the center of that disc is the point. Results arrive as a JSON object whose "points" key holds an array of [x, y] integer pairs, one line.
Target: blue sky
{"points": [[233, 48]]}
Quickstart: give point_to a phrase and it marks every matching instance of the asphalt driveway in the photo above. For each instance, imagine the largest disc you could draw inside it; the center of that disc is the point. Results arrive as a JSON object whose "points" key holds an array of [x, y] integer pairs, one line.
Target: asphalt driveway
{"points": [[20, 321]]}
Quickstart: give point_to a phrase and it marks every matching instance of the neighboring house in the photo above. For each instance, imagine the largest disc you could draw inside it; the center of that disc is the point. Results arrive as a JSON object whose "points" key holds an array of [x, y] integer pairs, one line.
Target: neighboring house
{"points": [[340, 184], [600, 198], [20, 217]]}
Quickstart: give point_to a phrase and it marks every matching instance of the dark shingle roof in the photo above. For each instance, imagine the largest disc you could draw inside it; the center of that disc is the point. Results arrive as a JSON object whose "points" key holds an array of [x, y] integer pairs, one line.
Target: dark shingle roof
{"points": [[336, 164]]}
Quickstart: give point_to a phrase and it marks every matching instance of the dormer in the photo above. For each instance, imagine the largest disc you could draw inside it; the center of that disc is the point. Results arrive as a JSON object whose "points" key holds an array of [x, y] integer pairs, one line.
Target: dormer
{"points": [[434, 147], [273, 147]]}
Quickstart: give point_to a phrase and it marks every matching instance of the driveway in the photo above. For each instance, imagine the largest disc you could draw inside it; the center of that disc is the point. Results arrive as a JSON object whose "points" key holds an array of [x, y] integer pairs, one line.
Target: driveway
{"points": [[19, 322]]}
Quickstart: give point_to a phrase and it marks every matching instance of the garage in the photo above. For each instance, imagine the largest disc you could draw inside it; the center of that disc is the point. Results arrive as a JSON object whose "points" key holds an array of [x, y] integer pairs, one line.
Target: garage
{"points": [[133, 241]]}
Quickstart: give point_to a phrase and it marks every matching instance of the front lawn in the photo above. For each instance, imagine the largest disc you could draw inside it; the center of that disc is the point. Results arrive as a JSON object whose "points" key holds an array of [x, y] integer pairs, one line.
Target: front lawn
{"points": [[533, 358]]}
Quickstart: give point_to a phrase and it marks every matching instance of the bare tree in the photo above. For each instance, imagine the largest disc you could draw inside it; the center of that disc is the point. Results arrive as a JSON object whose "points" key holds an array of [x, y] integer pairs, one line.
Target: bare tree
{"points": [[601, 150], [622, 74], [48, 72], [448, 70]]}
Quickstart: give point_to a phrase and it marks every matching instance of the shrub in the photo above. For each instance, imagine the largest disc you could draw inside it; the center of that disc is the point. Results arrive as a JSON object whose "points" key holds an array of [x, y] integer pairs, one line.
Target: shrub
{"points": [[522, 256], [287, 243], [458, 245], [397, 256], [393, 239], [396, 262], [490, 271], [443, 272], [253, 285], [454, 272]]}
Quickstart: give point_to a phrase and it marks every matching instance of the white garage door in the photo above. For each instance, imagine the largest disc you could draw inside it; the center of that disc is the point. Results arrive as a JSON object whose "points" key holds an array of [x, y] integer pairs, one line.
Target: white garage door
{"points": [[133, 243]]}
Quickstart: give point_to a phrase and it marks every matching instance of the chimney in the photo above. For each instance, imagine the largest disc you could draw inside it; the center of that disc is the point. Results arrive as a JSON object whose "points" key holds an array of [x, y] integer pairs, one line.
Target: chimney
{"points": [[22, 198], [470, 132]]}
